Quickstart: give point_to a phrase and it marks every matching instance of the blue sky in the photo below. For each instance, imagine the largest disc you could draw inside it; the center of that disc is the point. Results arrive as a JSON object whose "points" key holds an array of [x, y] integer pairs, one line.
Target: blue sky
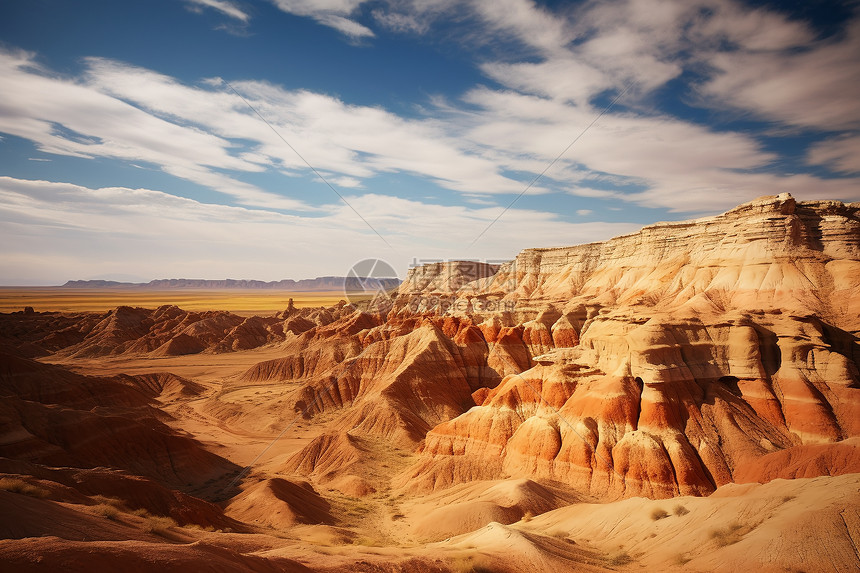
{"points": [[125, 154]]}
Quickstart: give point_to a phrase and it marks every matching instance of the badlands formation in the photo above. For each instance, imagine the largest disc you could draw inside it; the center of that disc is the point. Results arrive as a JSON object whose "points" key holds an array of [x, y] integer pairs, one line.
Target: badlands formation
{"points": [[684, 398]]}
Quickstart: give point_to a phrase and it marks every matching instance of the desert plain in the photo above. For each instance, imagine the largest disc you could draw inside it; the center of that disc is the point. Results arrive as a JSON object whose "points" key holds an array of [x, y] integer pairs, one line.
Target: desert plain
{"points": [[241, 302]]}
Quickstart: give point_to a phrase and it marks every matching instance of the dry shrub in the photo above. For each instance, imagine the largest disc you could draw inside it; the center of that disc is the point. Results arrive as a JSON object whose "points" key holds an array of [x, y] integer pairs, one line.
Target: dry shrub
{"points": [[15, 485], [659, 514], [469, 564], [106, 500], [198, 527], [727, 535], [680, 510], [619, 558], [106, 511], [158, 525]]}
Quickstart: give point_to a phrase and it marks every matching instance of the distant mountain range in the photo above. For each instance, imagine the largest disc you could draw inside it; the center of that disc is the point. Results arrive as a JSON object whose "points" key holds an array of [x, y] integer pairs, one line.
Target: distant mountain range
{"points": [[317, 284]]}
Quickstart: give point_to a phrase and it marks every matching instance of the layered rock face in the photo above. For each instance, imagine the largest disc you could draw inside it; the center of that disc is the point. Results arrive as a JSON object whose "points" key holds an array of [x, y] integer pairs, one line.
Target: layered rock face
{"points": [[666, 362], [772, 253], [669, 361], [394, 379]]}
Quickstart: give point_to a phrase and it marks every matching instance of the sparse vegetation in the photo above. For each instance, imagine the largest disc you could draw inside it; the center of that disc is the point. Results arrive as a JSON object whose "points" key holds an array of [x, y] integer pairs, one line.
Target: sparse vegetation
{"points": [[727, 535], [357, 511], [619, 558], [659, 514], [680, 510], [15, 485], [366, 542], [470, 564], [158, 524], [107, 500], [106, 511], [198, 527]]}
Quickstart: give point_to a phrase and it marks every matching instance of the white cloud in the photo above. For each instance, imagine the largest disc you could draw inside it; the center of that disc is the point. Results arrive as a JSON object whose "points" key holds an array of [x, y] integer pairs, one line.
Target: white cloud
{"points": [[840, 154], [67, 117], [565, 78], [225, 7], [136, 115], [332, 13], [584, 212], [764, 63], [345, 182], [354, 141], [780, 72], [529, 23], [345, 26], [401, 23], [681, 166], [53, 232]]}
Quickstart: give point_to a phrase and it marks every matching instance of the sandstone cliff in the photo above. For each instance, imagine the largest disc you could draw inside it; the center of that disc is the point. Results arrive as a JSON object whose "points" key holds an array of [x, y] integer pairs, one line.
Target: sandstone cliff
{"points": [[665, 362]]}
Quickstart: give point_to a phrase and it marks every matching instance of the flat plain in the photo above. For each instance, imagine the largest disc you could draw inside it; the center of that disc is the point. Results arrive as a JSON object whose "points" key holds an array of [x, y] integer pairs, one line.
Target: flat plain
{"points": [[243, 302]]}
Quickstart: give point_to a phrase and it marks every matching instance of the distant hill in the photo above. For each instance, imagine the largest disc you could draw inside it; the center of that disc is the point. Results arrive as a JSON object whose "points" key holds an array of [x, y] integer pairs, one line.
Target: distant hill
{"points": [[303, 285]]}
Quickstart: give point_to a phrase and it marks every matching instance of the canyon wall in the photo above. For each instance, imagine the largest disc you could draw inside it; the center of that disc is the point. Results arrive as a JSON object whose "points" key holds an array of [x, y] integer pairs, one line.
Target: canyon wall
{"points": [[664, 362]]}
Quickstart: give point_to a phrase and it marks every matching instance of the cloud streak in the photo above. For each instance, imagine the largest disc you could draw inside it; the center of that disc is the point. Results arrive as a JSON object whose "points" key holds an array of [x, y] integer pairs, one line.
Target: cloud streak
{"points": [[332, 13], [55, 231], [225, 7]]}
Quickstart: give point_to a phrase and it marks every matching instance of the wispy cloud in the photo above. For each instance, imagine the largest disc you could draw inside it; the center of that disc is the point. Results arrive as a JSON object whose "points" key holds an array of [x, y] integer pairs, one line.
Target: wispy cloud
{"points": [[226, 7], [815, 87], [74, 118], [55, 231], [332, 13], [840, 154], [137, 115]]}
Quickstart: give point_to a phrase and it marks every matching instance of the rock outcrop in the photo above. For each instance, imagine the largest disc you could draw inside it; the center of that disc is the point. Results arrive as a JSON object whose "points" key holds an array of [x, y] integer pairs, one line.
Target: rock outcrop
{"points": [[54, 417], [667, 362], [165, 331]]}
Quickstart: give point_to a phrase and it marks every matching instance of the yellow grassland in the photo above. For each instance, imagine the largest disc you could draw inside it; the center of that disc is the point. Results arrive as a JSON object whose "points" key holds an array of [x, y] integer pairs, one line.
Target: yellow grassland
{"points": [[244, 302]]}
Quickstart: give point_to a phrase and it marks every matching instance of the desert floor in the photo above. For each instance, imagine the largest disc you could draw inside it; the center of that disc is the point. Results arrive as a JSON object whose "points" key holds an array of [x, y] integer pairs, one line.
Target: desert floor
{"points": [[242, 302]]}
